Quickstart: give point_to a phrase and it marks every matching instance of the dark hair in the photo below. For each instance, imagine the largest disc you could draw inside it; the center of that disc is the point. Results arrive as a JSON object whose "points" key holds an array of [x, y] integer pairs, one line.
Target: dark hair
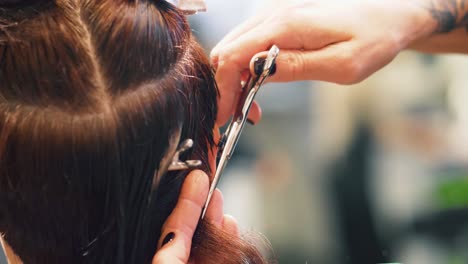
{"points": [[92, 94]]}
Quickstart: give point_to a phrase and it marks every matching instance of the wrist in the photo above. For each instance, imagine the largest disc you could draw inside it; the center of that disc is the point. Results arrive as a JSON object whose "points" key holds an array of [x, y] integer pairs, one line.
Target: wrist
{"points": [[419, 22]]}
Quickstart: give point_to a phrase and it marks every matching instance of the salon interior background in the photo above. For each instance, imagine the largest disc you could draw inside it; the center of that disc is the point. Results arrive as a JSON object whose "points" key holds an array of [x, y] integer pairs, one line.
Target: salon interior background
{"points": [[372, 173]]}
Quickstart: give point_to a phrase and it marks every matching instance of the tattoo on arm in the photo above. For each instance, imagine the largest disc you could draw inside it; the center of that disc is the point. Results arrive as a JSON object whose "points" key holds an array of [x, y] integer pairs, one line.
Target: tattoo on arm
{"points": [[450, 14]]}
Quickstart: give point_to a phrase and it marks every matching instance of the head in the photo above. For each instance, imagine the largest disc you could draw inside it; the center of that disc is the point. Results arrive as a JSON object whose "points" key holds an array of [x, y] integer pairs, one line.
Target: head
{"points": [[95, 96]]}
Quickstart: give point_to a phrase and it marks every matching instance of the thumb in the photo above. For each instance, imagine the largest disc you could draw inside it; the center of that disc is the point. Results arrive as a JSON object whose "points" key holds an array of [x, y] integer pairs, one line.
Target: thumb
{"points": [[331, 64]]}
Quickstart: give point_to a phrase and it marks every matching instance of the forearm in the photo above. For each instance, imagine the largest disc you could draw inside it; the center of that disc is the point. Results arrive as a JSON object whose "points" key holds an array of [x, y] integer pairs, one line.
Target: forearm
{"points": [[455, 41], [451, 31]]}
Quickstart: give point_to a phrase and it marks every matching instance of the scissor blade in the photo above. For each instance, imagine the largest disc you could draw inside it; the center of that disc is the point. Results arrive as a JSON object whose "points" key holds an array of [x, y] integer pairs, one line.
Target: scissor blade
{"points": [[239, 118], [220, 168], [229, 146]]}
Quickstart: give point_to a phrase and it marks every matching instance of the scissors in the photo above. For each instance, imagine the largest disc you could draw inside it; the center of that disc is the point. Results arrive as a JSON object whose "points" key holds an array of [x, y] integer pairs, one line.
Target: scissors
{"points": [[230, 138], [234, 130]]}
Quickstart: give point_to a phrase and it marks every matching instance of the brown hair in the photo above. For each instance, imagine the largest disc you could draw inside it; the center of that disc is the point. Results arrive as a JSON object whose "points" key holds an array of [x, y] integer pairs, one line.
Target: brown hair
{"points": [[91, 94]]}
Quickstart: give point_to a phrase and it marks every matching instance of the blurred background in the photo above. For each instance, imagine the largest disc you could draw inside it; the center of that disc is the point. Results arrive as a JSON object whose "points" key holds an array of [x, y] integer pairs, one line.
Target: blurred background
{"points": [[370, 173]]}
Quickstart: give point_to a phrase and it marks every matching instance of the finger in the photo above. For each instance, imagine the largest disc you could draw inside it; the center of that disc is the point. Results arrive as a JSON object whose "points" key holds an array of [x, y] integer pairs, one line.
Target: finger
{"points": [[227, 102], [334, 63], [230, 66], [235, 57], [291, 35], [235, 33], [228, 77], [255, 114], [171, 253], [241, 29], [184, 219], [231, 226], [214, 213]]}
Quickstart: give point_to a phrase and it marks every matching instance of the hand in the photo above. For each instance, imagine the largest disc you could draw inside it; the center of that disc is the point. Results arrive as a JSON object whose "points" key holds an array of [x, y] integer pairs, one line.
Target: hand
{"points": [[179, 228], [336, 41]]}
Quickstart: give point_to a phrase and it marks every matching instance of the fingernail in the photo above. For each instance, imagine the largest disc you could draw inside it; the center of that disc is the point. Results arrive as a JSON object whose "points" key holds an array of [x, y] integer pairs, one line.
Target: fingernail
{"points": [[258, 65], [250, 122], [168, 238]]}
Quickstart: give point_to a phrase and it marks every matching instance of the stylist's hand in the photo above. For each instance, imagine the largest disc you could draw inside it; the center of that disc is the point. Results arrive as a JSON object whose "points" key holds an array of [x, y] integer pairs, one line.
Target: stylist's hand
{"points": [[177, 232], [334, 40]]}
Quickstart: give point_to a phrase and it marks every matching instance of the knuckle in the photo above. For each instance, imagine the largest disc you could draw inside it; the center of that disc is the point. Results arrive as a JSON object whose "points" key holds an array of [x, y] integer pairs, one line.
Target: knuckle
{"points": [[226, 58], [281, 22], [287, 25], [295, 65], [299, 67], [352, 70]]}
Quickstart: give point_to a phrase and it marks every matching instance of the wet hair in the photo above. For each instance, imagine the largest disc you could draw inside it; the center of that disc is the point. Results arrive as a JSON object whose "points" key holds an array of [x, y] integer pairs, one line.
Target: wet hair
{"points": [[92, 95]]}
